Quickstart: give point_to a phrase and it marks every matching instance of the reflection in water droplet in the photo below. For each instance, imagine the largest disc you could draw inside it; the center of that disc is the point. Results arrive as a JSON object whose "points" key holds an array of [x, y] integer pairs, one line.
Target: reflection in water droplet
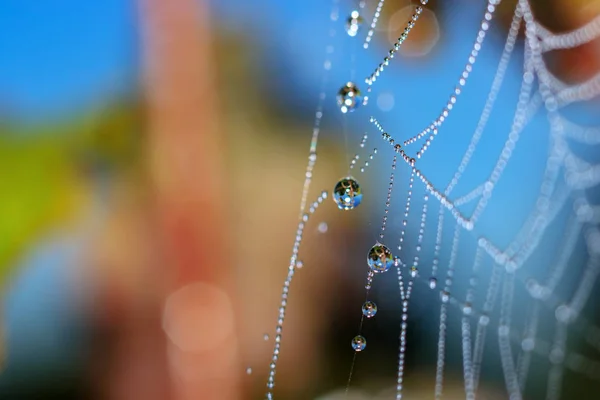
{"points": [[359, 343], [347, 194], [369, 309], [349, 97], [380, 258]]}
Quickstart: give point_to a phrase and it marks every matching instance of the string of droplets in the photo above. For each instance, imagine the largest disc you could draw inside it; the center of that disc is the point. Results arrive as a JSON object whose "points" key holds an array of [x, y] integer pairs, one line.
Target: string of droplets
{"points": [[366, 164], [466, 328], [312, 159], [379, 260], [373, 24], [445, 297], [404, 294], [356, 157], [443, 199], [285, 292], [411, 180], [386, 61], [433, 128]]}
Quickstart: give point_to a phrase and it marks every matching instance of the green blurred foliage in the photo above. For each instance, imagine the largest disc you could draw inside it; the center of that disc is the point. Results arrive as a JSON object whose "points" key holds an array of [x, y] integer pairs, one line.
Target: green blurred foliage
{"points": [[47, 173]]}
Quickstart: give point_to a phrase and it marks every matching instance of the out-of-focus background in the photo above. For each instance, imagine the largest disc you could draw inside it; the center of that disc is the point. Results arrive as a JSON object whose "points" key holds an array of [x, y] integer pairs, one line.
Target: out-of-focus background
{"points": [[76, 199]]}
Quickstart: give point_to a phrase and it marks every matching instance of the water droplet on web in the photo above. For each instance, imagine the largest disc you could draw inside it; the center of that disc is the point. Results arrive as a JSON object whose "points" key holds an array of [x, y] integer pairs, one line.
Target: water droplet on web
{"points": [[369, 309], [347, 194], [467, 309], [266, 337], [414, 271], [349, 97], [359, 343], [380, 258], [248, 370], [432, 283], [299, 264], [323, 227], [353, 23]]}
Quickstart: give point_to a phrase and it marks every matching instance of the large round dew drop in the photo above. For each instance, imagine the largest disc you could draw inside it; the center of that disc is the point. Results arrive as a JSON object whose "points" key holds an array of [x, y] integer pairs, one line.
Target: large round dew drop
{"points": [[380, 258], [347, 194], [369, 309], [359, 343]]}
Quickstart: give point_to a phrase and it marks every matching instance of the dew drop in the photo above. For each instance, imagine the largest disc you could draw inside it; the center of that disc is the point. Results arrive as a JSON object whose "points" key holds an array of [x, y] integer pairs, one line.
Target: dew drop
{"points": [[249, 371], [432, 283], [467, 309], [353, 23], [349, 97], [380, 258], [359, 343], [299, 264], [369, 309], [266, 337], [347, 193]]}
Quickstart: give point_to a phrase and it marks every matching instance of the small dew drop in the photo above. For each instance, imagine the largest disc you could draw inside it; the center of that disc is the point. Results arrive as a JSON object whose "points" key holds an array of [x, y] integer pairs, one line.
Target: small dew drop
{"points": [[299, 264], [359, 343], [266, 337], [249, 371], [432, 283], [369, 309]]}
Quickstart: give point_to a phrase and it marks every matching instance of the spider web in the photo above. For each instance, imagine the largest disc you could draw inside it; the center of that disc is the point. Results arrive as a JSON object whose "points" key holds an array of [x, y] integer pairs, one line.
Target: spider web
{"points": [[559, 289]]}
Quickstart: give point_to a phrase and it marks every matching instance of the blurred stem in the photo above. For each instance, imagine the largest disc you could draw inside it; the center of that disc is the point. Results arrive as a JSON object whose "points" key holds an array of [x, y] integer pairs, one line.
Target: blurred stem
{"points": [[185, 150]]}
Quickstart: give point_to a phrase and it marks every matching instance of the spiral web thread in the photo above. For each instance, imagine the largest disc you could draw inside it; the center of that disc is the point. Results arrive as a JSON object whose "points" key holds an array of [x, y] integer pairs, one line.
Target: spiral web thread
{"points": [[565, 184]]}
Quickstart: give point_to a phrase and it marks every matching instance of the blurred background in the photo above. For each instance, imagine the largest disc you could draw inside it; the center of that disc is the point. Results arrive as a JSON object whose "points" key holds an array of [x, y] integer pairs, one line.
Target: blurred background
{"points": [[79, 286]]}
